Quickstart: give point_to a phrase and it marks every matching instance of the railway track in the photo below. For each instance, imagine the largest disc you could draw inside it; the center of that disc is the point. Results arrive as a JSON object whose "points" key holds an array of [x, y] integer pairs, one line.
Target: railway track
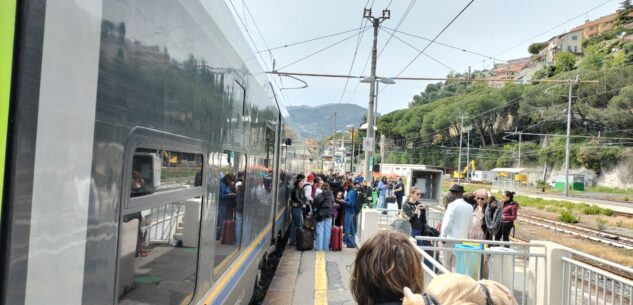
{"points": [[612, 239]]}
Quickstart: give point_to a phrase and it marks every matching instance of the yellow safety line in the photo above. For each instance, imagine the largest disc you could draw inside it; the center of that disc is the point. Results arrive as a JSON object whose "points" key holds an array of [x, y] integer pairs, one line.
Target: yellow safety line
{"points": [[320, 279]]}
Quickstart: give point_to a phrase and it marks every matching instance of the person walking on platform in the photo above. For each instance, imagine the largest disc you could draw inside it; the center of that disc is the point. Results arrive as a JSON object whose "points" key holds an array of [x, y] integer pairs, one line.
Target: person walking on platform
{"points": [[323, 204], [385, 264], [398, 191], [297, 205], [509, 214], [456, 222], [382, 194], [350, 209]]}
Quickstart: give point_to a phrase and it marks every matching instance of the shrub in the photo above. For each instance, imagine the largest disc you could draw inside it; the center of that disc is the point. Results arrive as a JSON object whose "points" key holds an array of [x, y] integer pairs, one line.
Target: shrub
{"points": [[619, 223], [601, 224], [591, 210], [606, 212], [566, 216], [626, 198], [552, 209]]}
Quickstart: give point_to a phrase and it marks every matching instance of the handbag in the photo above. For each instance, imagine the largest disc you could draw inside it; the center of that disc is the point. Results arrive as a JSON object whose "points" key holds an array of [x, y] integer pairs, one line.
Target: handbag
{"points": [[391, 199]]}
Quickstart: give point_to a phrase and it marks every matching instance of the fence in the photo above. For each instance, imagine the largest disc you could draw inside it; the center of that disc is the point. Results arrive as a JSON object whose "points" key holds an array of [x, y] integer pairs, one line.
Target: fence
{"points": [[514, 265], [586, 284], [161, 223]]}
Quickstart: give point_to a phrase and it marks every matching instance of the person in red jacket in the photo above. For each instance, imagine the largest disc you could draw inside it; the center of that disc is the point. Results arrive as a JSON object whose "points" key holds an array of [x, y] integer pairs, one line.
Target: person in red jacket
{"points": [[509, 214]]}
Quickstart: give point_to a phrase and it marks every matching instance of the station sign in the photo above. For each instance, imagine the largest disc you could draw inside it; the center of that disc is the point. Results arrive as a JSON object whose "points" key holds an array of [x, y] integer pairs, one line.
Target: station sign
{"points": [[368, 144]]}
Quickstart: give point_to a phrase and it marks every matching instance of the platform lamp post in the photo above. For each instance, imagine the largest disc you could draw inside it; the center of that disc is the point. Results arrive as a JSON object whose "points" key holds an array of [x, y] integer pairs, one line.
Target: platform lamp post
{"points": [[371, 111]]}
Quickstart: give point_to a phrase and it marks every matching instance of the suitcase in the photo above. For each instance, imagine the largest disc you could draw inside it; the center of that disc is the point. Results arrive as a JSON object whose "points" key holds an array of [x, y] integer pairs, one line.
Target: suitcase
{"points": [[336, 239], [305, 239], [227, 235]]}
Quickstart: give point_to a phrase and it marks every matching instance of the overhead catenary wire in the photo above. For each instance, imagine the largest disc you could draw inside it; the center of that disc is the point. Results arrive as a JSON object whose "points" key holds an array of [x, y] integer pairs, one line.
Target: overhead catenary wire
{"points": [[404, 16], [321, 50], [444, 44], [550, 29], [423, 53], [435, 38], [351, 67], [311, 40]]}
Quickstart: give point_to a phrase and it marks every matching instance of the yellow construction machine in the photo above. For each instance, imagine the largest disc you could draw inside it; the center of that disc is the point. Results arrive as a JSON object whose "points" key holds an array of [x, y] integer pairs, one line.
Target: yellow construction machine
{"points": [[462, 174]]}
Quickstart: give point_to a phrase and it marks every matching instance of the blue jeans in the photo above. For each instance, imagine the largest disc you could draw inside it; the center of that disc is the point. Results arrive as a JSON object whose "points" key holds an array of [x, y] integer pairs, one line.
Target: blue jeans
{"points": [[382, 202], [323, 232], [297, 222], [350, 233]]}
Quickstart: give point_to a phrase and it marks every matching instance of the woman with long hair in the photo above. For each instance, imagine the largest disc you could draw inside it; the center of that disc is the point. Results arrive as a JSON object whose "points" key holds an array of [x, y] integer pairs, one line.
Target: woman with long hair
{"points": [[508, 215], [415, 211], [385, 264]]}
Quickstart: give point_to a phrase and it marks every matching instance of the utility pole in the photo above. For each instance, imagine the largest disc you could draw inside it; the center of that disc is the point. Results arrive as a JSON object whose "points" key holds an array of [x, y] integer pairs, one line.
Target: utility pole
{"points": [[568, 138], [459, 160], [467, 153], [372, 89], [520, 134], [351, 162]]}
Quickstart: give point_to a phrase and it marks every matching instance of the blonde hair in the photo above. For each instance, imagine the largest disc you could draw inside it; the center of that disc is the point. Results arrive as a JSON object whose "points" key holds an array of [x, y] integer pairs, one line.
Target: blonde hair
{"points": [[412, 191], [461, 289], [385, 264]]}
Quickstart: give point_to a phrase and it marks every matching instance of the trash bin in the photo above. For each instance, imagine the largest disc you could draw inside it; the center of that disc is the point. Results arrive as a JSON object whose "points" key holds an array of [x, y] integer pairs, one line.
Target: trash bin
{"points": [[467, 263], [500, 265]]}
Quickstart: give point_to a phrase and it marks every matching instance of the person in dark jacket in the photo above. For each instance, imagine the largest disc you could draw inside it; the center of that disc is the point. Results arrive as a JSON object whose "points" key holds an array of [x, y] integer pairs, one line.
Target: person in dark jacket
{"points": [[398, 191], [350, 209], [297, 205], [415, 211], [508, 215], [323, 202], [492, 218]]}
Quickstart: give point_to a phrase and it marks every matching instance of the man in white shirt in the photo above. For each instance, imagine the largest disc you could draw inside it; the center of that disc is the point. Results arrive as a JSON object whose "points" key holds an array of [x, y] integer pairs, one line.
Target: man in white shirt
{"points": [[457, 219]]}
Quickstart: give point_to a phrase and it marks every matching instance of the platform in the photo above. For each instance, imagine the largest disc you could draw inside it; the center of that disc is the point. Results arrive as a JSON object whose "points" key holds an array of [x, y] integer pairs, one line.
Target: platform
{"points": [[312, 277]]}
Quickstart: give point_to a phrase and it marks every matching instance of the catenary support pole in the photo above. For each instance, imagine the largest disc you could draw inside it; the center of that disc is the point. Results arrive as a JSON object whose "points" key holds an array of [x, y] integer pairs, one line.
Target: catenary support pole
{"points": [[567, 143], [372, 89], [459, 160]]}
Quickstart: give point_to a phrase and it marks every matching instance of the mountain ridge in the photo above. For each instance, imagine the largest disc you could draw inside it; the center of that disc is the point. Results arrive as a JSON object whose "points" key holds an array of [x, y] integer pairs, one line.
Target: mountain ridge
{"points": [[317, 121]]}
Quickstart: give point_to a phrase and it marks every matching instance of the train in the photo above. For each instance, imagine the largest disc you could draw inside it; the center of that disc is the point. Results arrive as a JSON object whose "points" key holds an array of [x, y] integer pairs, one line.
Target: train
{"points": [[149, 158]]}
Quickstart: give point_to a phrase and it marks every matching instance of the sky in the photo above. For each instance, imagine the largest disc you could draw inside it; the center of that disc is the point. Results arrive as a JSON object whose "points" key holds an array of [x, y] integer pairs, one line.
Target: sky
{"points": [[502, 29]]}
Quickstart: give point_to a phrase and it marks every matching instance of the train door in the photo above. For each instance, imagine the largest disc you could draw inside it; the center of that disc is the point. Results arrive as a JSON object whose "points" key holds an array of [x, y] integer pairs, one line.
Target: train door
{"points": [[160, 219]]}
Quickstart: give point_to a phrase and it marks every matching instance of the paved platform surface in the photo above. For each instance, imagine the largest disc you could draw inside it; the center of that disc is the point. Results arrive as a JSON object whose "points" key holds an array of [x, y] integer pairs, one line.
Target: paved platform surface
{"points": [[312, 277]]}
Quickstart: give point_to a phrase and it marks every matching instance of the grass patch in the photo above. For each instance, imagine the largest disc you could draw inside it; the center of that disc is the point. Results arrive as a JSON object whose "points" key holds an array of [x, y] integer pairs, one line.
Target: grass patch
{"points": [[601, 224], [609, 190], [568, 217]]}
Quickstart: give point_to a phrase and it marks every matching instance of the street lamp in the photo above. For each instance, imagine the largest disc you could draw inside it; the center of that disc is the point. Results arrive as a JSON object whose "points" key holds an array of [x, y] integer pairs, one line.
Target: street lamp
{"points": [[372, 109]]}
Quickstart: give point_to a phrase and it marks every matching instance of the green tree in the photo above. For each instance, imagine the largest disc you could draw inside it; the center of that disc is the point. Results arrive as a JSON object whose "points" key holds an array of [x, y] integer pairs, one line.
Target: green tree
{"points": [[537, 47], [565, 61], [593, 58]]}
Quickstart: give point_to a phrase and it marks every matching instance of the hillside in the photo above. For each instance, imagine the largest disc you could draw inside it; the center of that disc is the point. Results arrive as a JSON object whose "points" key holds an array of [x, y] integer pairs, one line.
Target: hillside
{"points": [[428, 132], [318, 121]]}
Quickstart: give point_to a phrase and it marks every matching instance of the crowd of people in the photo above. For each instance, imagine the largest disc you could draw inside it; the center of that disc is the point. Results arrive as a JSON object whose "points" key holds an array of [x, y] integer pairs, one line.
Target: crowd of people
{"points": [[328, 200]]}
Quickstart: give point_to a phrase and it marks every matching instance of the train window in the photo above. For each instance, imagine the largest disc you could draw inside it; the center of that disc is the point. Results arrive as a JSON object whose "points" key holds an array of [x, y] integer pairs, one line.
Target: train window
{"points": [[158, 253], [230, 208], [156, 170]]}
